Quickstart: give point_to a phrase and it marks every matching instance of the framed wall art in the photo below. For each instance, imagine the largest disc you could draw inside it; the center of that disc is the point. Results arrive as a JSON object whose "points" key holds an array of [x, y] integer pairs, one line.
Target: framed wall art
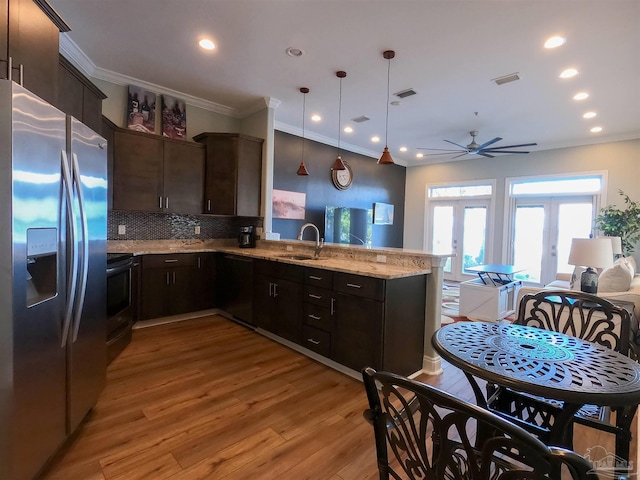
{"points": [[174, 117], [382, 214], [289, 205], [141, 110]]}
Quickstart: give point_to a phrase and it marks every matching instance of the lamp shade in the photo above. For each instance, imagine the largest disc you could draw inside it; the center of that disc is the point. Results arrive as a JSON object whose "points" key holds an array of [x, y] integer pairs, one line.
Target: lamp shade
{"points": [[591, 252], [616, 244]]}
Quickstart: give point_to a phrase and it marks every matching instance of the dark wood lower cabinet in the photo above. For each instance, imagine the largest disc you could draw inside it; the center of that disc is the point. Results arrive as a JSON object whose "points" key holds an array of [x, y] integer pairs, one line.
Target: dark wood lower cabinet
{"points": [[357, 336], [278, 299], [175, 284]]}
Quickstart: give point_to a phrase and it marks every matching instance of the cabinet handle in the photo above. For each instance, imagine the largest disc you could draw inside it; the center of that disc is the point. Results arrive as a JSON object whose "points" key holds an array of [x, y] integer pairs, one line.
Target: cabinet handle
{"points": [[314, 317], [174, 278], [166, 202], [160, 203], [199, 266], [317, 297], [333, 301], [172, 260], [167, 278], [275, 290], [208, 205], [270, 289], [353, 285], [311, 340], [313, 277], [21, 77]]}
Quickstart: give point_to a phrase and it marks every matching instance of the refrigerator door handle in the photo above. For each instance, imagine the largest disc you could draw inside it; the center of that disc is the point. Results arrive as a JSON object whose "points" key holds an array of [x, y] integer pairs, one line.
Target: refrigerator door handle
{"points": [[85, 247], [72, 285]]}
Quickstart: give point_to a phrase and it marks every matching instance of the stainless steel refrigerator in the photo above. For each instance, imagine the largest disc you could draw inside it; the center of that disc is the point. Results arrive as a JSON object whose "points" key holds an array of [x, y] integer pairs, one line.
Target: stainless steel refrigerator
{"points": [[53, 216]]}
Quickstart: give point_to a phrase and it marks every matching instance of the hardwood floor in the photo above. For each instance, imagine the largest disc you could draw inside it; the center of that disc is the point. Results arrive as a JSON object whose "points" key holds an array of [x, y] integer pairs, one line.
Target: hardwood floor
{"points": [[209, 399]]}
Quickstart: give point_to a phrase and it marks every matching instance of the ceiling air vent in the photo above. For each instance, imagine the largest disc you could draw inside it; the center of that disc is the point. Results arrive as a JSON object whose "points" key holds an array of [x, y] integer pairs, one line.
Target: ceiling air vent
{"points": [[360, 119], [512, 77], [405, 93]]}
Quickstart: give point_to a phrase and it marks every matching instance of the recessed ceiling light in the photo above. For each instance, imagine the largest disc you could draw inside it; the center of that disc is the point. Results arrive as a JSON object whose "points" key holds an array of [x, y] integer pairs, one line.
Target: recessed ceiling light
{"points": [[348, 130], [589, 115], [419, 155], [294, 52], [554, 42], [596, 130], [403, 149], [581, 96], [568, 73], [395, 103], [207, 44], [316, 117], [375, 139]]}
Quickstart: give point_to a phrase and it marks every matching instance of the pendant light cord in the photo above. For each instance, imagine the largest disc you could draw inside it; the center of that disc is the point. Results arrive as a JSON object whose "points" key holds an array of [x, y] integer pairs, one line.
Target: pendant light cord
{"points": [[386, 125], [304, 106], [339, 116]]}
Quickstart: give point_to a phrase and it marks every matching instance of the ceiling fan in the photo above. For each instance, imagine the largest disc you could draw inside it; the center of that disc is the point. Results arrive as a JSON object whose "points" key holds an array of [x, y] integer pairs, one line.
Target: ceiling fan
{"points": [[475, 148]]}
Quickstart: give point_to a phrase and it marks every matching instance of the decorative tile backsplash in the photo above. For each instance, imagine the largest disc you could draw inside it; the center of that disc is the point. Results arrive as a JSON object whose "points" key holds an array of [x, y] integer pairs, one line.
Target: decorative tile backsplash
{"points": [[166, 226]]}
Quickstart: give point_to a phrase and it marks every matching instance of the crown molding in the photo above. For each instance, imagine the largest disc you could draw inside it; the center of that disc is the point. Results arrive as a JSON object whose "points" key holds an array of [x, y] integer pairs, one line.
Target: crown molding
{"points": [[83, 63], [264, 102], [333, 142]]}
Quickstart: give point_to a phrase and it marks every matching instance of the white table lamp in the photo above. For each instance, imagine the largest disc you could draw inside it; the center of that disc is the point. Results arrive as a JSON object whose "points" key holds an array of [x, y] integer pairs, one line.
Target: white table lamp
{"points": [[616, 244], [591, 253]]}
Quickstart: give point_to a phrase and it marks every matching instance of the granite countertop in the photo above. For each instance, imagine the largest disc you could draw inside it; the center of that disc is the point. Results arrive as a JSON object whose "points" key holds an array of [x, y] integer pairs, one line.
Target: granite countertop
{"points": [[397, 264]]}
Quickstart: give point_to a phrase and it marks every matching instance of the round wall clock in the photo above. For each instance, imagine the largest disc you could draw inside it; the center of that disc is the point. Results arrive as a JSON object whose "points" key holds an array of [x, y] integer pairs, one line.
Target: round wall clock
{"points": [[342, 178]]}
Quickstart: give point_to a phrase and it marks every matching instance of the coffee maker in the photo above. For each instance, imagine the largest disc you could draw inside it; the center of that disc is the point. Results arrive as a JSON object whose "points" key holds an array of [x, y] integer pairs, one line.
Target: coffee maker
{"points": [[247, 237]]}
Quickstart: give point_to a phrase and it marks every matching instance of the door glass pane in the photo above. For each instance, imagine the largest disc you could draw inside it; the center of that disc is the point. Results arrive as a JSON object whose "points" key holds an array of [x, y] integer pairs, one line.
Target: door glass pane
{"points": [[475, 225], [528, 241], [574, 221], [443, 232]]}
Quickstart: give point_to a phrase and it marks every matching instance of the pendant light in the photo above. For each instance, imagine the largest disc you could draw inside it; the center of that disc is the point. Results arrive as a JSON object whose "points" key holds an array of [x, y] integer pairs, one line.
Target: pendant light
{"points": [[386, 159], [339, 164], [302, 170]]}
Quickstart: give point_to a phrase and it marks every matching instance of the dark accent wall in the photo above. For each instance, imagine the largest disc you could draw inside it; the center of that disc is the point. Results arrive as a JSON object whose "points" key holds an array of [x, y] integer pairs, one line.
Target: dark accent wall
{"points": [[371, 183]]}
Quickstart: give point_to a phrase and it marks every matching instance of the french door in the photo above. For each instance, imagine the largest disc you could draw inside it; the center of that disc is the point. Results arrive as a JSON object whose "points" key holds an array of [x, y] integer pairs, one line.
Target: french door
{"points": [[542, 229], [460, 227]]}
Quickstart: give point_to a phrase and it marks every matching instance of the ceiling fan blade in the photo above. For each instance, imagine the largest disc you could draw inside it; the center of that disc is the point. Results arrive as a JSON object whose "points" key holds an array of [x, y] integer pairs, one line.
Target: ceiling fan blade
{"points": [[490, 142], [485, 155], [461, 155], [511, 146], [457, 145], [506, 151], [464, 152], [442, 149]]}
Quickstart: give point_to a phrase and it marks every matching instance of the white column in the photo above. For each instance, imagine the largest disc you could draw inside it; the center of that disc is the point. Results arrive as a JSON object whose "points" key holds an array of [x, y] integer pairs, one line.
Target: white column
{"points": [[431, 364]]}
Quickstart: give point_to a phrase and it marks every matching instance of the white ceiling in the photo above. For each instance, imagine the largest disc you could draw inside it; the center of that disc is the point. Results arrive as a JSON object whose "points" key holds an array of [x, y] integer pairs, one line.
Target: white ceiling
{"points": [[446, 50]]}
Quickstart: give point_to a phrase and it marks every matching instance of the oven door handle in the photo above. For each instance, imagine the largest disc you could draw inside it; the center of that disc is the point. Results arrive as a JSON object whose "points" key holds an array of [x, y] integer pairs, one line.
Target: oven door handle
{"points": [[119, 267]]}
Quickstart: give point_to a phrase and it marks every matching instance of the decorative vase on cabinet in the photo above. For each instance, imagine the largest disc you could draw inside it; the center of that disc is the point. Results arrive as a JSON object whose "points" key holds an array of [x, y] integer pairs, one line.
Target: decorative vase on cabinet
{"points": [[233, 173]]}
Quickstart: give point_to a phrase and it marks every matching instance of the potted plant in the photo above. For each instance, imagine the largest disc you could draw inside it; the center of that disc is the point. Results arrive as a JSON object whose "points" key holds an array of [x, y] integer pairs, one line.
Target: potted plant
{"points": [[615, 222]]}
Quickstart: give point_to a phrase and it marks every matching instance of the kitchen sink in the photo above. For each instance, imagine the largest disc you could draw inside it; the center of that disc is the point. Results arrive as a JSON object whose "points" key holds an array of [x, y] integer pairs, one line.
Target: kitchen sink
{"points": [[297, 257]]}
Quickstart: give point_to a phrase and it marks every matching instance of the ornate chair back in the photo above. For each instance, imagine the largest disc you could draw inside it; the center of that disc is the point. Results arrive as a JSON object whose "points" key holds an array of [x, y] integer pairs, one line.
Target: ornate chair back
{"points": [[422, 432], [578, 314]]}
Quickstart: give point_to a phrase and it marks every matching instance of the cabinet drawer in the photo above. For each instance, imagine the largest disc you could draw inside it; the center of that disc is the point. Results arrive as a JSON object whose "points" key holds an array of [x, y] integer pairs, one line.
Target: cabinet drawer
{"points": [[317, 340], [318, 277], [167, 261], [317, 296], [318, 317], [360, 286]]}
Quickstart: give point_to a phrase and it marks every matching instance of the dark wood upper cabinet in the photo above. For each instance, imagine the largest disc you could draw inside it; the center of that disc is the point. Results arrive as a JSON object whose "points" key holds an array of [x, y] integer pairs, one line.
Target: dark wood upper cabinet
{"points": [[156, 174], [79, 97], [233, 175], [30, 39]]}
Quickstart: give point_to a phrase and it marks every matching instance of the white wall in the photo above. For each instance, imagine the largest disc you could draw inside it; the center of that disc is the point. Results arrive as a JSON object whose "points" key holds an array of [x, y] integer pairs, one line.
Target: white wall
{"points": [[620, 159]]}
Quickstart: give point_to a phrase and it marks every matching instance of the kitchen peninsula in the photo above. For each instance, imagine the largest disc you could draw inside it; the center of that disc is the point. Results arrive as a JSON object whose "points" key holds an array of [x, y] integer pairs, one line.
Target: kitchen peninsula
{"points": [[380, 301]]}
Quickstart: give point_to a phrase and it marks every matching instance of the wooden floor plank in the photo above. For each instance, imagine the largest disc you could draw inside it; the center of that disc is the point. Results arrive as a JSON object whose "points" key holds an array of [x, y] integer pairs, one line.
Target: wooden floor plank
{"points": [[210, 399]]}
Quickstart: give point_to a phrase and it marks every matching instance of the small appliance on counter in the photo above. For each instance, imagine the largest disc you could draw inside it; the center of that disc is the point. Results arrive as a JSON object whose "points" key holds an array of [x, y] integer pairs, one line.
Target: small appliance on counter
{"points": [[247, 237]]}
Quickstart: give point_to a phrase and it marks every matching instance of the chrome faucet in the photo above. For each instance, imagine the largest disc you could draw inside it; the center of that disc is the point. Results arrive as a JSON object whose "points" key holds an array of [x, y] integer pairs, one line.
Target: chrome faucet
{"points": [[319, 241]]}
